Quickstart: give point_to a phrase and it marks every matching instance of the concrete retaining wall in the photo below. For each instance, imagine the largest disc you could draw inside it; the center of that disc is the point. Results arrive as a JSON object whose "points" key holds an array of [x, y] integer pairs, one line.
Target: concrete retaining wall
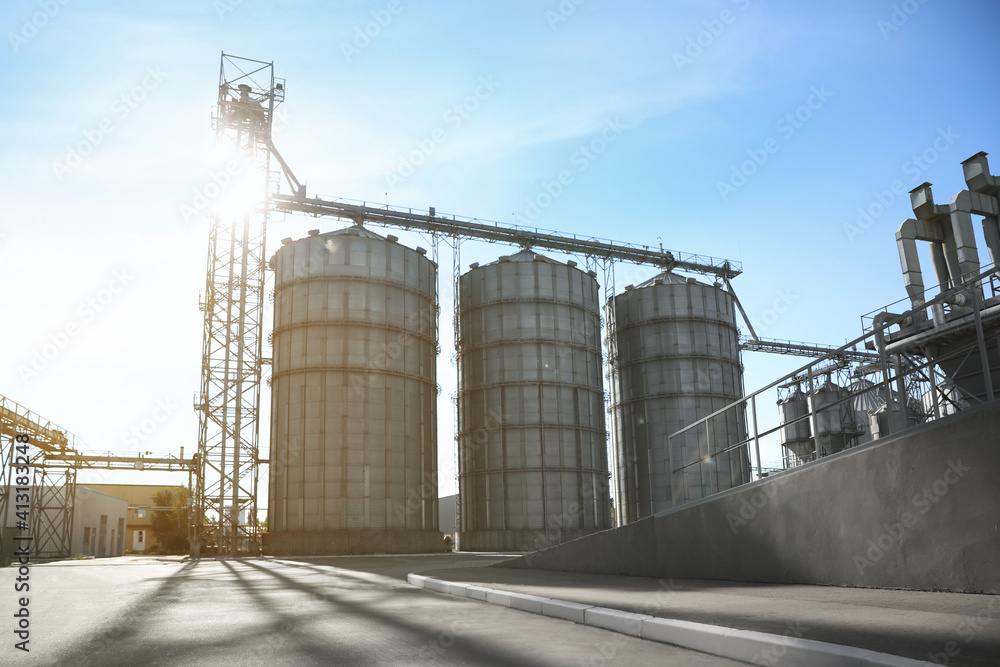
{"points": [[917, 511]]}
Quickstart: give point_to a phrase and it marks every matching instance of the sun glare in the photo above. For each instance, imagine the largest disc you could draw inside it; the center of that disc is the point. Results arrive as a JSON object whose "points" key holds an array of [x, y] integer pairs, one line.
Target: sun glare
{"points": [[241, 191]]}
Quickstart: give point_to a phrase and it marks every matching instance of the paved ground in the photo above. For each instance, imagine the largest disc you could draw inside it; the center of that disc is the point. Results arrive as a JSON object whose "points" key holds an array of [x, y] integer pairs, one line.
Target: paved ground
{"points": [[947, 628], [331, 611]]}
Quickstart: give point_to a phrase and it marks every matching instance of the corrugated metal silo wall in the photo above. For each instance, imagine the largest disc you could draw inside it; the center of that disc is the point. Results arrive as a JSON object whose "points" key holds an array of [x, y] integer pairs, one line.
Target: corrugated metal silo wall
{"points": [[533, 467], [675, 359], [354, 392]]}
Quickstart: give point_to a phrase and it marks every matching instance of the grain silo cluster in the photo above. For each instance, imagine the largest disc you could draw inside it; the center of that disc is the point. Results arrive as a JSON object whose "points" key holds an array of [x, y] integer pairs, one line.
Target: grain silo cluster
{"points": [[354, 398]]}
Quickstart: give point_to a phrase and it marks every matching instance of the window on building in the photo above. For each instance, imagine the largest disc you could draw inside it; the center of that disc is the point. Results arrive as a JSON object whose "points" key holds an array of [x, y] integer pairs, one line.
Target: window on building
{"points": [[140, 513], [86, 536], [141, 534]]}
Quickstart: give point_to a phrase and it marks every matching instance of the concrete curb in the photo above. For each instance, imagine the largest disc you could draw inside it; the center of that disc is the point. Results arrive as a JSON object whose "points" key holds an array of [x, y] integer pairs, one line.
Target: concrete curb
{"points": [[758, 648]]}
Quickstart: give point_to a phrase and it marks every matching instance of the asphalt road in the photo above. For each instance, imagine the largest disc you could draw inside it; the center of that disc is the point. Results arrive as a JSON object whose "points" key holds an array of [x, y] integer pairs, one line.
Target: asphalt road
{"points": [[331, 611]]}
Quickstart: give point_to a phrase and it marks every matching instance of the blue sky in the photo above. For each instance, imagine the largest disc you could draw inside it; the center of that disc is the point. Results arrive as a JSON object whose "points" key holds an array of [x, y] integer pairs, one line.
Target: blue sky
{"points": [[833, 100]]}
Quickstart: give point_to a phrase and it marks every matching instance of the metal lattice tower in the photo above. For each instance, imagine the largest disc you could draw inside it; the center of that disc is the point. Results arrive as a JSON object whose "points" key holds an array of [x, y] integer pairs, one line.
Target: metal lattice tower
{"points": [[51, 491], [233, 303]]}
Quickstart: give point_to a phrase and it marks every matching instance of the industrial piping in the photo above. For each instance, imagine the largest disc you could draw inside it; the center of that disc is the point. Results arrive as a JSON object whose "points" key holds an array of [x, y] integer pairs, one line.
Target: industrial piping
{"points": [[950, 232]]}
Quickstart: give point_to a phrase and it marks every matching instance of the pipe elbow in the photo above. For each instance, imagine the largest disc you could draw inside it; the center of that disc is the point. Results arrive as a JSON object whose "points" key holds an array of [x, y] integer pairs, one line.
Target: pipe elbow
{"points": [[961, 202], [907, 230], [959, 299]]}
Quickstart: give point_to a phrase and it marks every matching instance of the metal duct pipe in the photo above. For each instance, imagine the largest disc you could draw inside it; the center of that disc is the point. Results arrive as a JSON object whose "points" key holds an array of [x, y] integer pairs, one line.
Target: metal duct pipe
{"points": [[940, 264], [985, 200], [961, 210], [937, 230], [878, 322], [949, 229], [907, 235]]}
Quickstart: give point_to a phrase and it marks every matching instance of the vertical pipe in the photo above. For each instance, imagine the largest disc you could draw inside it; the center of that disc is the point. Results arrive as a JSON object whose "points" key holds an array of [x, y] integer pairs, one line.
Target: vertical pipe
{"points": [[879, 331], [981, 340], [712, 482], [965, 239], [813, 423], [190, 530], [940, 265], [756, 439], [71, 505], [670, 471], [901, 390], [991, 233]]}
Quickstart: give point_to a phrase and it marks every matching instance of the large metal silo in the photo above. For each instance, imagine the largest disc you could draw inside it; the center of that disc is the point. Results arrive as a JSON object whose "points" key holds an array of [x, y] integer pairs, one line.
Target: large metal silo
{"points": [[354, 391], [675, 359], [533, 468]]}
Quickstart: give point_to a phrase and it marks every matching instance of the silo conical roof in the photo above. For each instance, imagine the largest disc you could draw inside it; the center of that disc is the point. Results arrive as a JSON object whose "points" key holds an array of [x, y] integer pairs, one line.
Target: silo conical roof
{"points": [[526, 255], [668, 278], [866, 399], [355, 230]]}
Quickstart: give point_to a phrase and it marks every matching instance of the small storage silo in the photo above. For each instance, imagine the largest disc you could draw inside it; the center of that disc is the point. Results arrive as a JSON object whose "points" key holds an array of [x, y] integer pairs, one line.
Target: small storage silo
{"points": [[354, 392], [533, 468], [836, 427], [675, 360], [796, 437], [867, 398]]}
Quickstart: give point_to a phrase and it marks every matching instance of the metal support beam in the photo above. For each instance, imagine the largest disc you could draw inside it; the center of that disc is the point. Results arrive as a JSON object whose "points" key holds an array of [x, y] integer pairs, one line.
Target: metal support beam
{"points": [[404, 218], [799, 349]]}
